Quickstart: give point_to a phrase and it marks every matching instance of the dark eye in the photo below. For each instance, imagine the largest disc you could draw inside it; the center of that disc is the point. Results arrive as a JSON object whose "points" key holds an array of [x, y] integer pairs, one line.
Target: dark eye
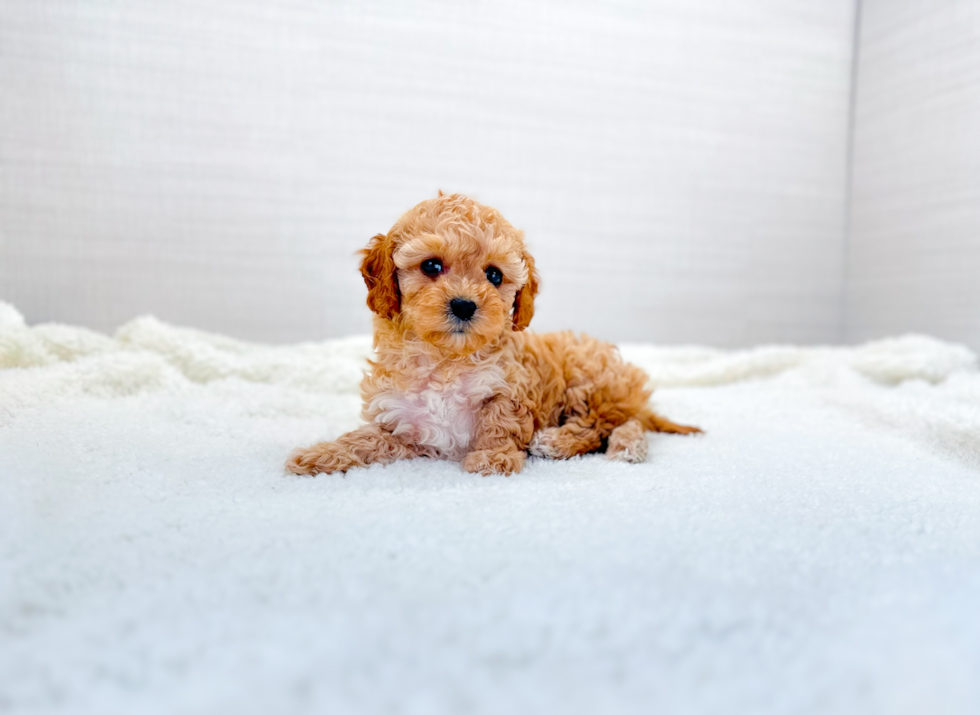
{"points": [[431, 267], [494, 275]]}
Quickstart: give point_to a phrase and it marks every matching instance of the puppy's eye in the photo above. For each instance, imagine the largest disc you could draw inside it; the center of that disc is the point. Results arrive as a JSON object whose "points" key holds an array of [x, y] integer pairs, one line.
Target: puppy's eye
{"points": [[494, 275], [431, 267]]}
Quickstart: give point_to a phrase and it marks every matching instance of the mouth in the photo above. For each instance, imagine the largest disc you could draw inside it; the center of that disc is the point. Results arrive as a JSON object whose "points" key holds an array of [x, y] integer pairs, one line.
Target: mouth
{"points": [[456, 326]]}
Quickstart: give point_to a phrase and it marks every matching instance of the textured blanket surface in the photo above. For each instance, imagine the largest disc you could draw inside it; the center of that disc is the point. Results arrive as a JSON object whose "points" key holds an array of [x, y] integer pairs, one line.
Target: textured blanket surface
{"points": [[817, 550]]}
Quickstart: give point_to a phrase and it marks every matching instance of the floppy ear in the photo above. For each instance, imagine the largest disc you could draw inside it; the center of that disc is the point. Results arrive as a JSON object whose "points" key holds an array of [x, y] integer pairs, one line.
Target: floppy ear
{"points": [[378, 269], [524, 300]]}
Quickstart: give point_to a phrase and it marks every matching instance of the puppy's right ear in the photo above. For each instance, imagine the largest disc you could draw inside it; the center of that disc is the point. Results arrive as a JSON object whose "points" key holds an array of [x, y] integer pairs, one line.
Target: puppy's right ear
{"points": [[379, 271]]}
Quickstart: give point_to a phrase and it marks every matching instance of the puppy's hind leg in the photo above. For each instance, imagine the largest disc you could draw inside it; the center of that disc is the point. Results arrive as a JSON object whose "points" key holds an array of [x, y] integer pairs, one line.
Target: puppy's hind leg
{"points": [[572, 438], [628, 443], [586, 425]]}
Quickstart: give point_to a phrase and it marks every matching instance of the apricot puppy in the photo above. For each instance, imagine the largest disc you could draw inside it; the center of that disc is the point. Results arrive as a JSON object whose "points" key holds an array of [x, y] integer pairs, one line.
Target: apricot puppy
{"points": [[452, 287]]}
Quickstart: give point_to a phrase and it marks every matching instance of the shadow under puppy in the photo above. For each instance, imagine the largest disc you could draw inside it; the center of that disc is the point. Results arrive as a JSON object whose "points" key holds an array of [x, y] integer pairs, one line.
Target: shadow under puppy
{"points": [[452, 287]]}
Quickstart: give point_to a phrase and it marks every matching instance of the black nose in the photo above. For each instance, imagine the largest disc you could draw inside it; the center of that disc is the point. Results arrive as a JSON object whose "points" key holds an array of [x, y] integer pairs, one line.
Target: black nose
{"points": [[462, 308]]}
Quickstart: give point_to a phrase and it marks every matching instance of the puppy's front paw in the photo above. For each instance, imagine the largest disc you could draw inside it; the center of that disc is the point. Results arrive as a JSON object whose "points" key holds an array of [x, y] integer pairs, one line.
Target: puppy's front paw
{"points": [[321, 458], [488, 461]]}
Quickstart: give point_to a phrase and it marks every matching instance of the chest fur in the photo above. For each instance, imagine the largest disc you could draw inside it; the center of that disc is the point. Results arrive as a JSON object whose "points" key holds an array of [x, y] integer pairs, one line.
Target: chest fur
{"points": [[440, 413]]}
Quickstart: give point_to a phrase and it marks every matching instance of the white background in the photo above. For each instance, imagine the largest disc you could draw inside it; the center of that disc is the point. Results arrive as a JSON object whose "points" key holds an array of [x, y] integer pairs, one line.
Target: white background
{"points": [[678, 167], [681, 169], [914, 258]]}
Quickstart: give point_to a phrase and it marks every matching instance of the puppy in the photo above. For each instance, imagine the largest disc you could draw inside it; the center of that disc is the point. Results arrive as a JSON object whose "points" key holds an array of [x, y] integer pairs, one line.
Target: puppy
{"points": [[452, 286]]}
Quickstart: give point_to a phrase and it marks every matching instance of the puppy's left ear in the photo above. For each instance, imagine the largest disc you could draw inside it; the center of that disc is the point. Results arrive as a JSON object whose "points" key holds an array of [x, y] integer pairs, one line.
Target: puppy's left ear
{"points": [[379, 271], [524, 300]]}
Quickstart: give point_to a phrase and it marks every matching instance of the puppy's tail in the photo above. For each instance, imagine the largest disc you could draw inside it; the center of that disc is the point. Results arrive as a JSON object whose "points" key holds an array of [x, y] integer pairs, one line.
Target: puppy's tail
{"points": [[656, 423]]}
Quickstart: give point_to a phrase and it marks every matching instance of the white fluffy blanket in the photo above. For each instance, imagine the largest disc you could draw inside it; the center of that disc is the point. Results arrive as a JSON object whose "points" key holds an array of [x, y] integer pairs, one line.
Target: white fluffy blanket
{"points": [[818, 550]]}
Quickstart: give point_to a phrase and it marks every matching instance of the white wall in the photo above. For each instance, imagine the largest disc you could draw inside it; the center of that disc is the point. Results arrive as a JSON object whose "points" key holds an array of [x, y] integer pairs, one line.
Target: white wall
{"points": [[678, 166], [914, 249]]}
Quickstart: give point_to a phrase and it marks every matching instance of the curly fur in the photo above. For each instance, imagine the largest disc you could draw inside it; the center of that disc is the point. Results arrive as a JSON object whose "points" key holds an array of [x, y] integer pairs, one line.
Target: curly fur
{"points": [[481, 391]]}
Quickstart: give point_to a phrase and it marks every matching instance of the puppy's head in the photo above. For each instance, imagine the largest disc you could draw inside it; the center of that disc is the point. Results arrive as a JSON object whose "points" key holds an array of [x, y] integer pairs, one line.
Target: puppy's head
{"points": [[454, 272]]}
